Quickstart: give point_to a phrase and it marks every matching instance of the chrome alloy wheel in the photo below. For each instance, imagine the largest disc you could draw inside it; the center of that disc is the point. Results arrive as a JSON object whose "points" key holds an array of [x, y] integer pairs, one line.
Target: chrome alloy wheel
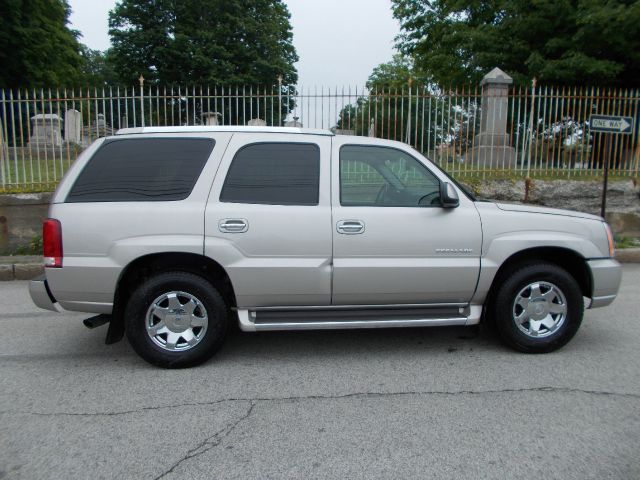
{"points": [[539, 309], [176, 321]]}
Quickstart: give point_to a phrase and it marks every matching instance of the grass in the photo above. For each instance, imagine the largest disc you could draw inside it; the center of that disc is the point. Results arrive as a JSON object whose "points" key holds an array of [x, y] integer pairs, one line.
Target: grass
{"points": [[25, 170], [34, 247], [626, 242]]}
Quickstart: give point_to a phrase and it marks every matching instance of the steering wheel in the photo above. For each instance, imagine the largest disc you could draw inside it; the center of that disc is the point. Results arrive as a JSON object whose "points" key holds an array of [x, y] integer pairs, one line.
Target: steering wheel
{"points": [[432, 198]]}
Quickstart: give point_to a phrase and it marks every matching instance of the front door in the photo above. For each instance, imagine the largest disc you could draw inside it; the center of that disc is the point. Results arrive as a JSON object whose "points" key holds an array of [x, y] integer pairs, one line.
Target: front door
{"points": [[392, 241]]}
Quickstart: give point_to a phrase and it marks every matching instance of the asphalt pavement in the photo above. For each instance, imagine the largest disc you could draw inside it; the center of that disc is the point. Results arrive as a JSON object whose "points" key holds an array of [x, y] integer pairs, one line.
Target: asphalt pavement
{"points": [[407, 403]]}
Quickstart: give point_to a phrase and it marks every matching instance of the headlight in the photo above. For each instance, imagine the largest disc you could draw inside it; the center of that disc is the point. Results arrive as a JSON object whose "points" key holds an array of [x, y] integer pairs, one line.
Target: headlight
{"points": [[612, 249]]}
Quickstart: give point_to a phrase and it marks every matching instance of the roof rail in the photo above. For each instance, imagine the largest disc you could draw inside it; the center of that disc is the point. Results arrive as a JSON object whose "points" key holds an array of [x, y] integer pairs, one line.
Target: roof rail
{"points": [[223, 128]]}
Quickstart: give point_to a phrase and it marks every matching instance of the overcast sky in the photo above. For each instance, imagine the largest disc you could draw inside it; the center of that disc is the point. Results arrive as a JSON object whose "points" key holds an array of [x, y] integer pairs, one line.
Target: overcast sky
{"points": [[338, 41]]}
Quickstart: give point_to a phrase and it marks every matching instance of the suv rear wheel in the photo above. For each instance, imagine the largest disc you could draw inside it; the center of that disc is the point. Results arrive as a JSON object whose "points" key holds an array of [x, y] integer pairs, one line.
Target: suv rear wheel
{"points": [[538, 308], [176, 319]]}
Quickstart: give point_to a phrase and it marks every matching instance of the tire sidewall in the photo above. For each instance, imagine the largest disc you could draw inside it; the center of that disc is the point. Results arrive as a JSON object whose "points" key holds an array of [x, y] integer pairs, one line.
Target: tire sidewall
{"points": [[145, 294], [514, 283]]}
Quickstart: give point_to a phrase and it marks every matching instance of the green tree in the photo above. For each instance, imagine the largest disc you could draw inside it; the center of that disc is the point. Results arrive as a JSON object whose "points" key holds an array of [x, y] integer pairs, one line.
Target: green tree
{"points": [[37, 48], [558, 41], [220, 42], [97, 68], [401, 105]]}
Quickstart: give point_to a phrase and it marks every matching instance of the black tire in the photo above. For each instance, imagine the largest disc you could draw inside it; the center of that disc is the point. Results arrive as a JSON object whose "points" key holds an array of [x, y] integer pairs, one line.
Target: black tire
{"points": [[504, 308], [142, 299]]}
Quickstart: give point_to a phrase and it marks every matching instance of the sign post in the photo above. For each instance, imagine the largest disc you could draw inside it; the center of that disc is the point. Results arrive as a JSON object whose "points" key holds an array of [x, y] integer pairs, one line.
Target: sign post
{"points": [[609, 125]]}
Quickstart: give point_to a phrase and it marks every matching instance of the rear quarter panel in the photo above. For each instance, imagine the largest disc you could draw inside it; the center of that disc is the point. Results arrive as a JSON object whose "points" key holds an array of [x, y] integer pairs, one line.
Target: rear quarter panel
{"points": [[101, 238]]}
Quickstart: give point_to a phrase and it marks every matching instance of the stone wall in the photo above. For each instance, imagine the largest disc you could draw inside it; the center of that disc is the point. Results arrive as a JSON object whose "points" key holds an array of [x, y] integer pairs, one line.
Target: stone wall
{"points": [[623, 198], [21, 215]]}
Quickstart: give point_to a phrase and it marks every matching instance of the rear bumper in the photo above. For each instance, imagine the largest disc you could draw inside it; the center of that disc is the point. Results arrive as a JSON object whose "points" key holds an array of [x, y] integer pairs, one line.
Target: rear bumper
{"points": [[606, 275], [41, 294]]}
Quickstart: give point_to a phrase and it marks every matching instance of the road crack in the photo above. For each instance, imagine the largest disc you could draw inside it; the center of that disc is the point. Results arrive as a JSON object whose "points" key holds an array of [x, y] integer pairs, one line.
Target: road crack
{"points": [[209, 442], [143, 409]]}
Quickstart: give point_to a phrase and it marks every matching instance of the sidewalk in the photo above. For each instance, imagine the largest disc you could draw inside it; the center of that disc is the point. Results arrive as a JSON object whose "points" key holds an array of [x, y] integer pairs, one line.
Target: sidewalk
{"points": [[26, 267]]}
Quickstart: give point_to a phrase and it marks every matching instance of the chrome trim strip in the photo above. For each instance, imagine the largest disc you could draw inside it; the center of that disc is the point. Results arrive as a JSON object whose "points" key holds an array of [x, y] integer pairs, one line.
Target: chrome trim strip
{"points": [[249, 326], [355, 307]]}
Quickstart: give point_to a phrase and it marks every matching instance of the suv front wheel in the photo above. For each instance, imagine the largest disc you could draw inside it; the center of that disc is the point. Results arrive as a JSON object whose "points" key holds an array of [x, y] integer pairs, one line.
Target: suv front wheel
{"points": [[175, 320], [538, 308]]}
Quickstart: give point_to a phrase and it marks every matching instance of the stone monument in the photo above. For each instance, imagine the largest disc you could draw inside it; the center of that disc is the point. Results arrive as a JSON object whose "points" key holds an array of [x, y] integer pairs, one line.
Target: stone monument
{"points": [[72, 126], [45, 130], [343, 131], [492, 146], [99, 128], [210, 118], [256, 122], [294, 123]]}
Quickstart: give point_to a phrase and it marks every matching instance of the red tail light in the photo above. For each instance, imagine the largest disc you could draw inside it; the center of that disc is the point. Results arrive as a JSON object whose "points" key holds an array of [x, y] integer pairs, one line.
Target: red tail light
{"points": [[52, 243]]}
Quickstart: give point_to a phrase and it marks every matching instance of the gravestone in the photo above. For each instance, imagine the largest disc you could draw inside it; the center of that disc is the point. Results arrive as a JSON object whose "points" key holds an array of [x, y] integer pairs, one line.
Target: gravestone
{"points": [[45, 130], [492, 146], [99, 128], [210, 118], [256, 122], [72, 126], [101, 125], [295, 123]]}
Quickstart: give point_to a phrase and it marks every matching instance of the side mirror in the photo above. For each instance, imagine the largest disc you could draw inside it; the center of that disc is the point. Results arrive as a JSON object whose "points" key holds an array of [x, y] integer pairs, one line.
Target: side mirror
{"points": [[448, 196]]}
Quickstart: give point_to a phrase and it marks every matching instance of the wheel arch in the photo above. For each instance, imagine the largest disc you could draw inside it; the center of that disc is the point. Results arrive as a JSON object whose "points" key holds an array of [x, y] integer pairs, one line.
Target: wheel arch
{"points": [[570, 260], [142, 268]]}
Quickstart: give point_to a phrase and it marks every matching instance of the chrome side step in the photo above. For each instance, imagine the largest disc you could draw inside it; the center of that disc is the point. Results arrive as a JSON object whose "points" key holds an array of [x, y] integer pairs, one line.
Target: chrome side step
{"points": [[339, 318]]}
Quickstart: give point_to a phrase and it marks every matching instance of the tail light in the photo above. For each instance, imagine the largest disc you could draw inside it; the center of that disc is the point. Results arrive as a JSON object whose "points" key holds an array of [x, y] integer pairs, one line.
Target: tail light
{"points": [[52, 243]]}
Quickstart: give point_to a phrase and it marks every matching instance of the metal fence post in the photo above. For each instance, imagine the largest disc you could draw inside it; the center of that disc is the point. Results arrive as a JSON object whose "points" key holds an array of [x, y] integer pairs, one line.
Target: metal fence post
{"points": [[279, 100], [407, 138], [2, 156], [141, 80], [533, 99]]}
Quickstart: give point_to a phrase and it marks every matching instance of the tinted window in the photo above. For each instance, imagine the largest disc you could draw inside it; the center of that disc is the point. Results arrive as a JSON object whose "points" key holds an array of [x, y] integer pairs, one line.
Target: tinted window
{"points": [[385, 177], [274, 174], [142, 169]]}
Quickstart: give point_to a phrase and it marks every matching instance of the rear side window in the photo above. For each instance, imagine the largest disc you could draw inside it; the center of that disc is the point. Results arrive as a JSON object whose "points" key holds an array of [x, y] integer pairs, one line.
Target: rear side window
{"points": [[274, 174], [142, 169]]}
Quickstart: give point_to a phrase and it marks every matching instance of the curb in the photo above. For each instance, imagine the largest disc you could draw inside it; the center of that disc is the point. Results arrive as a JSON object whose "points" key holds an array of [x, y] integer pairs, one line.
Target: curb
{"points": [[20, 271], [628, 255], [28, 271]]}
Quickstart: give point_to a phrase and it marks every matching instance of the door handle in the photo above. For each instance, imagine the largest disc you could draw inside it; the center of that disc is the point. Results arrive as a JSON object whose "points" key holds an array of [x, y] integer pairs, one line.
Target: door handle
{"points": [[233, 225], [350, 227]]}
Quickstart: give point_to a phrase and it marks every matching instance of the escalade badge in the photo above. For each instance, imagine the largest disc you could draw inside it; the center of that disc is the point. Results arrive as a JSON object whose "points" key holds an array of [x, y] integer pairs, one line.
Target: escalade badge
{"points": [[454, 250]]}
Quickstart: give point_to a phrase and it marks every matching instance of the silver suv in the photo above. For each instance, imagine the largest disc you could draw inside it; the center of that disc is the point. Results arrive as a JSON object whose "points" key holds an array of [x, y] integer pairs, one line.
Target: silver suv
{"points": [[169, 234]]}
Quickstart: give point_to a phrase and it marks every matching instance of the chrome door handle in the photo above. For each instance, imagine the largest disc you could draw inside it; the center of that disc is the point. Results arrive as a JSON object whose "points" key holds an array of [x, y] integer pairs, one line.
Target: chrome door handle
{"points": [[350, 227], [233, 225]]}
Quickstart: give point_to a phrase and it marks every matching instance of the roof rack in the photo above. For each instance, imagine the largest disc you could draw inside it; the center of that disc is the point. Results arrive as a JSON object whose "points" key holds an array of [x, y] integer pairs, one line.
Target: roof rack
{"points": [[223, 128]]}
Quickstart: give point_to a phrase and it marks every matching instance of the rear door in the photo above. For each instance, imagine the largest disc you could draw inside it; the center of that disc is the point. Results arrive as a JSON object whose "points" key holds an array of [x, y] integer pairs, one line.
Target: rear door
{"points": [[268, 219]]}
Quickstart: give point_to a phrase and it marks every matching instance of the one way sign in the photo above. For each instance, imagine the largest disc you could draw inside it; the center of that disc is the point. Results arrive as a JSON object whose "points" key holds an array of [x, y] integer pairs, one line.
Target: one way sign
{"points": [[611, 124]]}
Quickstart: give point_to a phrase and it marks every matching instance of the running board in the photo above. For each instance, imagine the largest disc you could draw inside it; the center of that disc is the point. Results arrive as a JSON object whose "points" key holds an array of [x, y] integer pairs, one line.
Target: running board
{"points": [[335, 318]]}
